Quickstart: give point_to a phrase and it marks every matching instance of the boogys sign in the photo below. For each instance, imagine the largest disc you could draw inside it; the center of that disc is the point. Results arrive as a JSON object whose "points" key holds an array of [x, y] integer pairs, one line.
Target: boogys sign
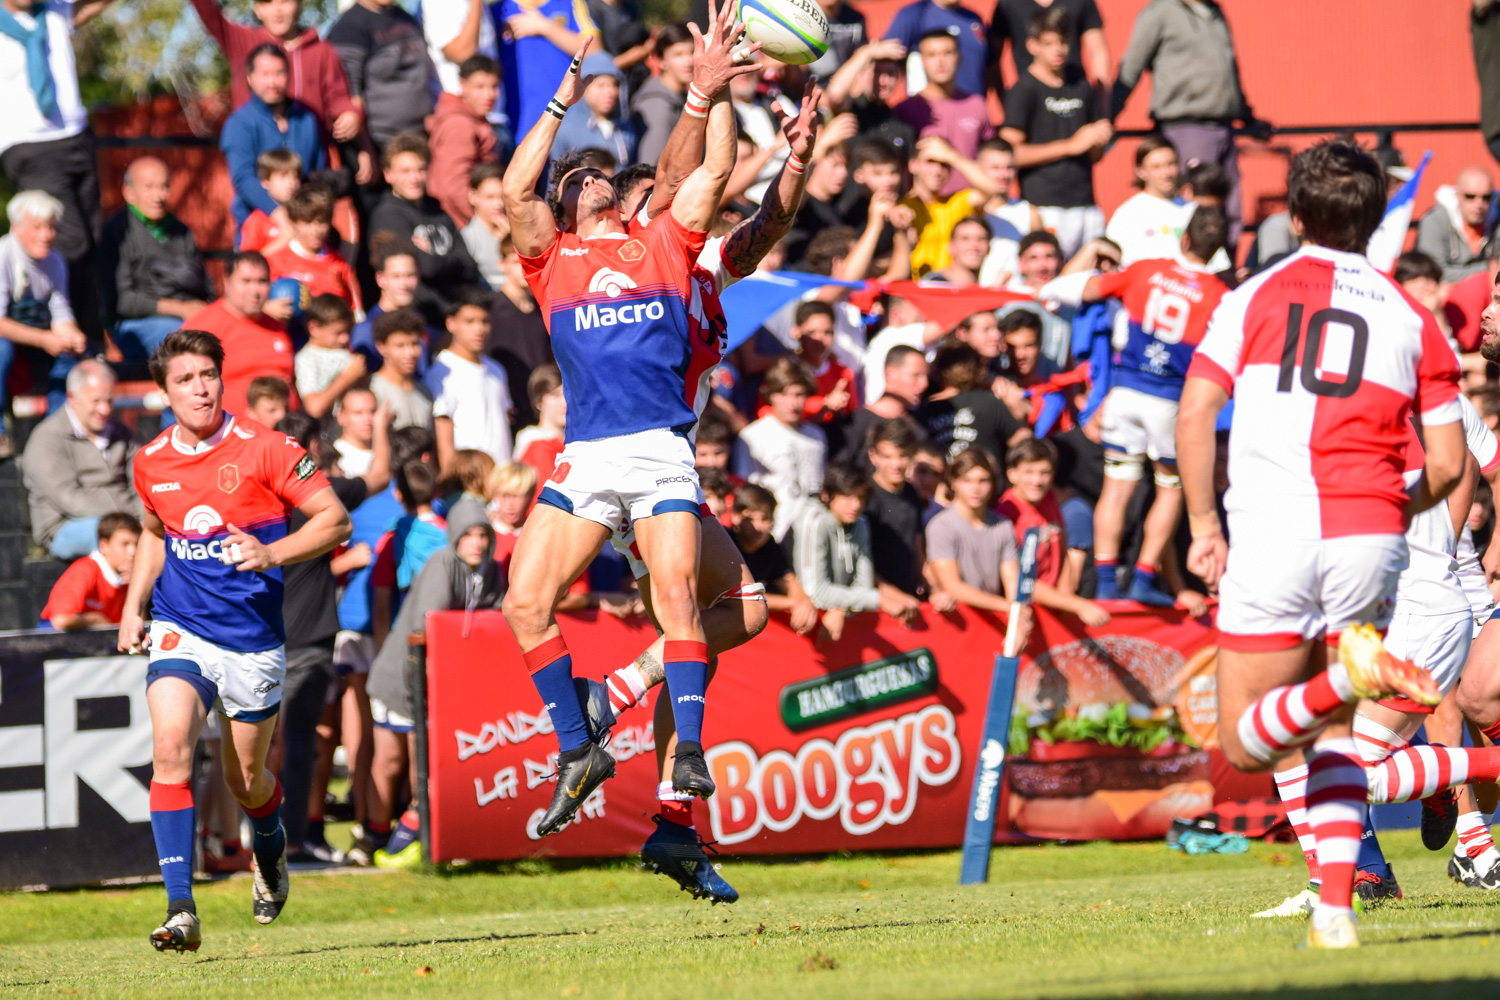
{"points": [[869, 686]]}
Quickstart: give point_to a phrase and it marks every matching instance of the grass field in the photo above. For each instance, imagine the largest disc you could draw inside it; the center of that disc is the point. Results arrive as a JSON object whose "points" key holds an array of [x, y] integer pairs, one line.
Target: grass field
{"points": [[1097, 920]]}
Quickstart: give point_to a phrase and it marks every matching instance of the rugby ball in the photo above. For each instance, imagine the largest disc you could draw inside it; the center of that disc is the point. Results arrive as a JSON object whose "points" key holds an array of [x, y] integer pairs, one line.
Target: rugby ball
{"points": [[294, 290], [789, 31]]}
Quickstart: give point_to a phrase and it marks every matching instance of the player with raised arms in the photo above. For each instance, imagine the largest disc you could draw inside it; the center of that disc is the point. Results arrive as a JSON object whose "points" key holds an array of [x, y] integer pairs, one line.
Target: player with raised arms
{"points": [[616, 305], [216, 490], [1328, 361], [732, 605]]}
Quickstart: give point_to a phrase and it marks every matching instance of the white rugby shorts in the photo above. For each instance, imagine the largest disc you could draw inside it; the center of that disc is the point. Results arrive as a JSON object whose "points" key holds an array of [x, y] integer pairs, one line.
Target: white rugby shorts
{"points": [[1277, 591], [244, 686], [1138, 423], [618, 479], [353, 652], [1438, 643], [382, 716]]}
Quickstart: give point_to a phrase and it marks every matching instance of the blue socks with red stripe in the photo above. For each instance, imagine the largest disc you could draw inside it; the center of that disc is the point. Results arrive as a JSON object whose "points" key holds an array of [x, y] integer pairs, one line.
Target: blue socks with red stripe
{"points": [[265, 820], [172, 826], [552, 672], [686, 666], [1107, 571]]}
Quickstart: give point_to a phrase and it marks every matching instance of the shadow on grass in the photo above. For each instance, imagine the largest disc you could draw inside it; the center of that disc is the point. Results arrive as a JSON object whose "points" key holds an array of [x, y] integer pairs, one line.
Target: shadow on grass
{"points": [[1453, 989]]}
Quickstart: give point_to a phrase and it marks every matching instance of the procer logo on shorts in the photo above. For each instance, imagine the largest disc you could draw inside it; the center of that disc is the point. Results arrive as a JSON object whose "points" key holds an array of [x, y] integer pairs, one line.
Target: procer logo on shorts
{"points": [[674, 479]]}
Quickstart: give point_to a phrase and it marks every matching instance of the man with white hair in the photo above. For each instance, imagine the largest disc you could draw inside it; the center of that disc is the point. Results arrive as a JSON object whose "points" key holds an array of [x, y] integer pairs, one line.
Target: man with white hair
{"points": [[151, 272], [77, 465], [37, 319], [1458, 229]]}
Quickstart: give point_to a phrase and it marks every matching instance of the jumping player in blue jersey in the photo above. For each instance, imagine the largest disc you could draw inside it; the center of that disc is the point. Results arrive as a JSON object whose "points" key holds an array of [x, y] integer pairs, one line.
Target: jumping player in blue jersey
{"points": [[617, 306], [216, 490]]}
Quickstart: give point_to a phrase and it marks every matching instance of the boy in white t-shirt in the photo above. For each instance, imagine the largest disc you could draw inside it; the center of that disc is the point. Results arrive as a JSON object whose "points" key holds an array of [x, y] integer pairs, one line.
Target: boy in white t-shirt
{"points": [[325, 367], [471, 403], [1149, 224], [356, 442], [781, 451]]}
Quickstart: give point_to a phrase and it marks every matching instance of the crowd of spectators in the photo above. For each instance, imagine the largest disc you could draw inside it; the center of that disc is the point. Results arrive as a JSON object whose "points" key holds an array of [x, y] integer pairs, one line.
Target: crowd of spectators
{"points": [[866, 454]]}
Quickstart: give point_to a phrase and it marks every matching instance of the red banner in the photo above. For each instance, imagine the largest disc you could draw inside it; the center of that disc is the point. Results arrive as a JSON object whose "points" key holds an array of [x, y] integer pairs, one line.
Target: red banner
{"points": [[866, 743]]}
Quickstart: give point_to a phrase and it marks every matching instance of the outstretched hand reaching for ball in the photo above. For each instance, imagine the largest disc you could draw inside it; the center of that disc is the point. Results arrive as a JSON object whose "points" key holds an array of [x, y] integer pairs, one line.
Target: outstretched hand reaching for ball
{"points": [[714, 63], [802, 130]]}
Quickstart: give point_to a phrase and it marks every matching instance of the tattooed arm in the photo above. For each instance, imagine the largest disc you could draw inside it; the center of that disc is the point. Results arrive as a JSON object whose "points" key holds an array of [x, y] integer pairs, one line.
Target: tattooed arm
{"points": [[752, 239]]}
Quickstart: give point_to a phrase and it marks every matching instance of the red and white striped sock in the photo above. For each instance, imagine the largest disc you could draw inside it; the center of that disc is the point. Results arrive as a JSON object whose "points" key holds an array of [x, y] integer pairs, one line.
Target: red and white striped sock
{"points": [[1336, 792], [626, 688], [1375, 741], [1291, 786], [1475, 842], [1288, 717], [1420, 772], [674, 805]]}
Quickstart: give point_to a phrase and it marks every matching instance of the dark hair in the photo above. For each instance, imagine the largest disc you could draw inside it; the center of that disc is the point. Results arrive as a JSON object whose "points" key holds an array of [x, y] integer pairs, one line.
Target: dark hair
{"points": [[631, 177], [542, 380], [385, 244], [896, 356], [843, 480], [1020, 319], [118, 520], [253, 257], [712, 430], [564, 165], [971, 458], [275, 161], [877, 151], [958, 366], [409, 444], [300, 427], [899, 431], [268, 387], [476, 297], [752, 497], [1415, 264], [1487, 401], [417, 482], [487, 170], [179, 342], [810, 308], [1208, 180], [1031, 449], [945, 34], [826, 246], [670, 35], [997, 145], [266, 49], [1207, 231], [478, 64], [785, 372], [327, 309], [1337, 191], [969, 220], [405, 320], [715, 482], [405, 142], [1054, 19], [1035, 237], [312, 202], [1151, 144]]}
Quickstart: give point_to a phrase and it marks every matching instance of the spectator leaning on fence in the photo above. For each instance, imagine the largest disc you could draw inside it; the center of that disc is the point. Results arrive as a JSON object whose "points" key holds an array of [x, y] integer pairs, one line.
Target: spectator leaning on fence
{"points": [[77, 465], [152, 274]]}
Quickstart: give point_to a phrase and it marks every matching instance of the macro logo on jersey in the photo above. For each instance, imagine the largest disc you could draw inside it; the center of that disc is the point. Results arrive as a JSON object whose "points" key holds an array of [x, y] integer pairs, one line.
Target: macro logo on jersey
{"points": [[1168, 305]]}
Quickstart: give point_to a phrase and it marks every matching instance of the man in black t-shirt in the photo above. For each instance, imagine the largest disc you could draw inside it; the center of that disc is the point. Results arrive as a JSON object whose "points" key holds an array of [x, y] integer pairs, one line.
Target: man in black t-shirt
{"points": [[965, 412], [894, 510], [1088, 51], [1052, 119], [754, 509]]}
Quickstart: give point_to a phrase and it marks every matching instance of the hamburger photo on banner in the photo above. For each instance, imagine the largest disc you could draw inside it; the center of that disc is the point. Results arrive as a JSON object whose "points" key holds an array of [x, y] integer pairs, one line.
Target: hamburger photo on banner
{"points": [[1098, 748]]}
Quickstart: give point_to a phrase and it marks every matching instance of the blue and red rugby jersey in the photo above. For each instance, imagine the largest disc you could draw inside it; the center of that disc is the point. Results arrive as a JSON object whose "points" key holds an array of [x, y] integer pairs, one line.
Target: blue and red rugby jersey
{"points": [[617, 308], [1168, 303], [246, 475]]}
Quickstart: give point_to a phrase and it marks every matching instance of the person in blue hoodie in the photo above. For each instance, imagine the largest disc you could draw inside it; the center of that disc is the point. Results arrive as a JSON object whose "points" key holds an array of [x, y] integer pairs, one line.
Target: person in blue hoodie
{"points": [[269, 120]]}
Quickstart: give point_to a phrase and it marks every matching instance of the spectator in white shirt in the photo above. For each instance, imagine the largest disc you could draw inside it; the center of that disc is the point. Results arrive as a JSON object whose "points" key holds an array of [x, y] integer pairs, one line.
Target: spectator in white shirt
{"points": [[1149, 224], [781, 451], [471, 402], [356, 444]]}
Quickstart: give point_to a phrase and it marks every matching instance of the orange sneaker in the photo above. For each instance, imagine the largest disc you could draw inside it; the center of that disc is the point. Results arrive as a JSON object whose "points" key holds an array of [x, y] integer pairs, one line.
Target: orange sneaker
{"points": [[1376, 673]]}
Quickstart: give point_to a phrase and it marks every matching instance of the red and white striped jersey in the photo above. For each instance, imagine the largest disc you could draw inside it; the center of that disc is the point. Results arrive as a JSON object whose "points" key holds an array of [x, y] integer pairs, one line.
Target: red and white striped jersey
{"points": [[1326, 359]]}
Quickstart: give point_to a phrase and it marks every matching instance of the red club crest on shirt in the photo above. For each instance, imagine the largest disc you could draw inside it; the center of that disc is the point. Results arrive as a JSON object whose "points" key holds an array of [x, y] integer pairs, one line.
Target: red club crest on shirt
{"points": [[632, 251], [229, 477], [561, 472]]}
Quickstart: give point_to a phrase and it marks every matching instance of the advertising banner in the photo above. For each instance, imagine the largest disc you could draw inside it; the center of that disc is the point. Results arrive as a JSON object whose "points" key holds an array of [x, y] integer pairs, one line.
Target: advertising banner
{"points": [[75, 760], [869, 742]]}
